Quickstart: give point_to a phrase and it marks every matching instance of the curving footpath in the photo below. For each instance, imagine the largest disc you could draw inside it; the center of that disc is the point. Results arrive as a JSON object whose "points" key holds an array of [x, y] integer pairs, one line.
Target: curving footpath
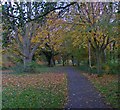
{"points": [[81, 93]]}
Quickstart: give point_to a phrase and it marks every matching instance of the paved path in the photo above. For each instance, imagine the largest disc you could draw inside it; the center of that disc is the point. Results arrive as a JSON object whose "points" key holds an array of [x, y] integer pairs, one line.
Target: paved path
{"points": [[81, 93]]}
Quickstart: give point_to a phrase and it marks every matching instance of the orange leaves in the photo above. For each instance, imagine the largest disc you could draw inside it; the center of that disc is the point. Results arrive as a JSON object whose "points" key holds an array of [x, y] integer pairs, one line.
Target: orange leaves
{"points": [[34, 90], [105, 79], [32, 80]]}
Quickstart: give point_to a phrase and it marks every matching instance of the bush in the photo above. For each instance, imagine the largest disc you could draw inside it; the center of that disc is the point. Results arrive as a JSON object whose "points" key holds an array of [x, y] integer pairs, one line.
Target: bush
{"points": [[114, 68], [106, 68], [0, 67], [31, 67], [19, 68], [111, 67], [3, 68], [86, 68]]}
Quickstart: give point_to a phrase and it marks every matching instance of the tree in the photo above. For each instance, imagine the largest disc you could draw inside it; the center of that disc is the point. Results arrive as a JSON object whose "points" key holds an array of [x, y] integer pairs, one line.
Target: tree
{"points": [[51, 32], [23, 19], [92, 15]]}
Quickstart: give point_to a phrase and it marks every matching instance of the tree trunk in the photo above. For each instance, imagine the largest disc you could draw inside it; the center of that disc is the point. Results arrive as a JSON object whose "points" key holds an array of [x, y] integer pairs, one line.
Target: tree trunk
{"points": [[27, 61], [50, 61], [78, 62], [114, 53], [98, 57], [104, 55], [89, 54], [53, 59], [110, 51], [73, 60], [63, 62]]}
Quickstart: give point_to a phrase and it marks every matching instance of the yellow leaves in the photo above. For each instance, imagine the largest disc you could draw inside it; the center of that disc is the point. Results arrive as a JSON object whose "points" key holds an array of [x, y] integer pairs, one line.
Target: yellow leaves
{"points": [[98, 35], [20, 38], [41, 36], [78, 35], [49, 22], [52, 32], [34, 40]]}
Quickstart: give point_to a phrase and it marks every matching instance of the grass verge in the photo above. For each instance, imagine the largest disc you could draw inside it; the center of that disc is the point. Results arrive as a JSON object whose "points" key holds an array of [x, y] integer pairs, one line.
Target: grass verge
{"points": [[47, 90], [107, 85]]}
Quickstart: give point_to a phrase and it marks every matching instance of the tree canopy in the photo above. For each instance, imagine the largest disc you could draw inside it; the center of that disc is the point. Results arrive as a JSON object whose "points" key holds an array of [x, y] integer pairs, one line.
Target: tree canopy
{"points": [[77, 31]]}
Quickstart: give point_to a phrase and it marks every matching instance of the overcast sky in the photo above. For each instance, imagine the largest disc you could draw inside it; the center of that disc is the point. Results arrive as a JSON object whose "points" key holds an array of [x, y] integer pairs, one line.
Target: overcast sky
{"points": [[60, 0]]}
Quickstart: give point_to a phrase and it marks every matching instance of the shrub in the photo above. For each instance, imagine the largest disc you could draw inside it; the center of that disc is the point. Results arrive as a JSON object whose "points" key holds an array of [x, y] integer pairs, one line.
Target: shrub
{"points": [[111, 67], [106, 68], [3, 68], [19, 68], [114, 67], [32, 67]]}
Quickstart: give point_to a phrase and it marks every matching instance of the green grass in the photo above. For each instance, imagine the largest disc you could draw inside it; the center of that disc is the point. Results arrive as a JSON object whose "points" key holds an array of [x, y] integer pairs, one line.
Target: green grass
{"points": [[36, 68], [87, 69], [0, 98], [44, 69], [110, 92], [32, 98], [112, 68], [107, 85], [41, 96]]}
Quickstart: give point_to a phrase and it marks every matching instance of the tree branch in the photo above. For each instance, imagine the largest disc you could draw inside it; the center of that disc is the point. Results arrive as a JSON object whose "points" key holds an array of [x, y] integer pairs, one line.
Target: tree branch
{"points": [[89, 40], [34, 49]]}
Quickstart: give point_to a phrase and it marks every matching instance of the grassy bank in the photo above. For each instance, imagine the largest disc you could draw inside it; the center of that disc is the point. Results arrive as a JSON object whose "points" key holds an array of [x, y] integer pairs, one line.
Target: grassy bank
{"points": [[47, 90]]}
